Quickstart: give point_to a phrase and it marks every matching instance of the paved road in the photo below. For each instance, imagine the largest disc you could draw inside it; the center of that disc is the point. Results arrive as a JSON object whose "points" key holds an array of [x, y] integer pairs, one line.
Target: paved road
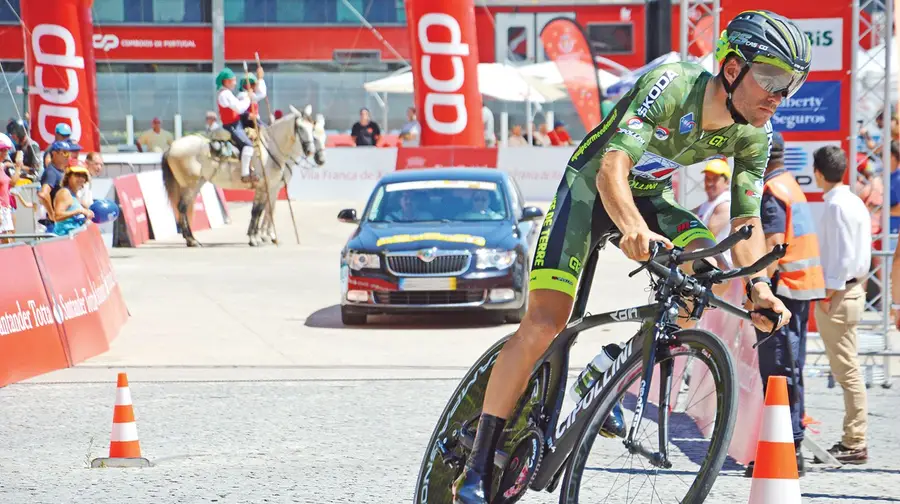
{"points": [[248, 389]]}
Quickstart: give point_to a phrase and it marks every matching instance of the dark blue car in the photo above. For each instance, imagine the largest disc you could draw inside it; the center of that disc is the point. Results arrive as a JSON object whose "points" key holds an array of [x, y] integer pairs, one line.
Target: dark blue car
{"points": [[439, 239]]}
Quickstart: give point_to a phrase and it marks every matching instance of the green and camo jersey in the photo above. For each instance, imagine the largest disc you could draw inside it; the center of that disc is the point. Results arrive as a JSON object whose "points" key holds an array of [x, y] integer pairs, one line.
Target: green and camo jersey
{"points": [[657, 124]]}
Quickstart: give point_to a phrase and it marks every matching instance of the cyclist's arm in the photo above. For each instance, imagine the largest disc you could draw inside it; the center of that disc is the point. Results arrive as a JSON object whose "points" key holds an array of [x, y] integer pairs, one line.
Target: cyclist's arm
{"points": [[750, 160], [629, 140]]}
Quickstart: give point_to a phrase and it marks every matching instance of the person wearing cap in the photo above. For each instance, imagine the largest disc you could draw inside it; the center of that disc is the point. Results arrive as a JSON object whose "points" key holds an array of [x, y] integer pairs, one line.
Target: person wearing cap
{"points": [[253, 86], [715, 212], [32, 159], [9, 175], [155, 139], [211, 123], [559, 135], [230, 109], [62, 132], [60, 152], [66, 205], [797, 279]]}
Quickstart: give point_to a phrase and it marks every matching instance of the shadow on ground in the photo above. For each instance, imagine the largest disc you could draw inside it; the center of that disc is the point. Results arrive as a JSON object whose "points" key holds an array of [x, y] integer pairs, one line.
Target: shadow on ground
{"points": [[330, 318]]}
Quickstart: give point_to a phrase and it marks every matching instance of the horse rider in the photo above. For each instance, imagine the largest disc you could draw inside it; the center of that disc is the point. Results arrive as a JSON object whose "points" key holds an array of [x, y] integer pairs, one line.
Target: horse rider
{"points": [[230, 109], [255, 87]]}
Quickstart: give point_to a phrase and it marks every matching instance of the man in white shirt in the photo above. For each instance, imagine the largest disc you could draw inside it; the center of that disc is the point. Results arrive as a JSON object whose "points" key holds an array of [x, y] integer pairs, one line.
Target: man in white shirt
{"points": [[845, 248], [409, 133], [715, 212]]}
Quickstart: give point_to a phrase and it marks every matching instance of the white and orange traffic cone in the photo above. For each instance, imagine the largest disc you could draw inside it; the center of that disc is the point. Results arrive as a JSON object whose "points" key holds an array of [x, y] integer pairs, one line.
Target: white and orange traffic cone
{"points": [[775, 477], [124, 446]]}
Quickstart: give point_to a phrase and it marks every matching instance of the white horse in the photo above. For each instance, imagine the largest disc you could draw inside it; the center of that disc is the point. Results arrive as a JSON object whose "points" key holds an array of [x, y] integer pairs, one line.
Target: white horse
{"points": [[193, 160]]}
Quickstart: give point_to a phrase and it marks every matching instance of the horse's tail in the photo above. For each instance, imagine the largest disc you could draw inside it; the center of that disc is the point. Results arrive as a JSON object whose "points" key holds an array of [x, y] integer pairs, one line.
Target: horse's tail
{"points": [[169, 180]]}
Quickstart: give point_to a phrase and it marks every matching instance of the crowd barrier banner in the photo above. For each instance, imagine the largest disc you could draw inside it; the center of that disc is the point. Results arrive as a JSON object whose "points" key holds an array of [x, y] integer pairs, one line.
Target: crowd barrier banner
{"points": [[113, 312], [162, 217], [212, 206], [437, 157], [103, 188], [133, 209], [739, 335], [199, 220], [30, 342], [73, 297]]}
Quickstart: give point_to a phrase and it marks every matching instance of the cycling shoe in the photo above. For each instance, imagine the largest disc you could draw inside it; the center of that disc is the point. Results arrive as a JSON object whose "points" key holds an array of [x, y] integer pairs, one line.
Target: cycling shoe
{"points": [[469, 488], [614, 425]]}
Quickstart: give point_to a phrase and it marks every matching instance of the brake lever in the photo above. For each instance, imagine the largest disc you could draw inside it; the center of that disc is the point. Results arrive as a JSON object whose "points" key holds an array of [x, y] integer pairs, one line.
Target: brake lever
{"points": [[654, 249], [774, 317]]}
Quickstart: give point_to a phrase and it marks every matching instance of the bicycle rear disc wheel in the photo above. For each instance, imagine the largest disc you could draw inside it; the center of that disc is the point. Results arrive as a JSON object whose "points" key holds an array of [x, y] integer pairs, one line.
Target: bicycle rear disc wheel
{"points": [[604, 471]]}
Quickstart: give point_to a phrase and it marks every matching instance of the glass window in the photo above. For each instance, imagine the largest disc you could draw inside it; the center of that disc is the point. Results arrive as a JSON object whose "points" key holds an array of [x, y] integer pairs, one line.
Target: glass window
{"points": [[611, 38], [313, 11], [9, 12], [152, 11], [437, 200]]}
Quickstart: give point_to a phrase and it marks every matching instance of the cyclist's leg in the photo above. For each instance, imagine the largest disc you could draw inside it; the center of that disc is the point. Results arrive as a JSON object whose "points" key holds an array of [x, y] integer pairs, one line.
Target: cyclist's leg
{"points": [[563, 244]]}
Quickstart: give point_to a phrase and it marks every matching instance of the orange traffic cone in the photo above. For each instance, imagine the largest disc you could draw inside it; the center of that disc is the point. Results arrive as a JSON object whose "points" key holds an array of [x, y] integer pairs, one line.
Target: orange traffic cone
{"points": [[775, 477], [124, 447]]}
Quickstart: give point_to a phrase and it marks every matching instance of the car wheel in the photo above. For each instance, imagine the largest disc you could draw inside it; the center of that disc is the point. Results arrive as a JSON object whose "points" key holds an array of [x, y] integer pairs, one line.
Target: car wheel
{"points": [[350, 319]]}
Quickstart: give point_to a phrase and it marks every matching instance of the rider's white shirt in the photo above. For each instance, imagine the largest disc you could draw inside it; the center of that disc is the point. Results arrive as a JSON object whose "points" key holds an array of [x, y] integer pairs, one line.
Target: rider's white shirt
{"points": [[238, 103]]}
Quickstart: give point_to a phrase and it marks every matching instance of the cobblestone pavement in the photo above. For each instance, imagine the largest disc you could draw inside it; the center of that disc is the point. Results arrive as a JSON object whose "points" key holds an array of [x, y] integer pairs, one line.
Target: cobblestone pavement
{"points": [[248, 389]]}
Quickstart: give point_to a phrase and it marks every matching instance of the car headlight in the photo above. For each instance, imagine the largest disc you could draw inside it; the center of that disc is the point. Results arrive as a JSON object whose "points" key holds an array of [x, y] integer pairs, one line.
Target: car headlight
{"points": [[359, 260], [493, 258]]}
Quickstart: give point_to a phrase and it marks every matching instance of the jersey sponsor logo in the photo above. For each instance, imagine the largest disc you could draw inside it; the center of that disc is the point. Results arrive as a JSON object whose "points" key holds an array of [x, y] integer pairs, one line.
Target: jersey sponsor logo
{"points": [[654, 167], [640, 185], [574, 265], [661, 84], [635, 123], [718, 140], [593, 138], [687, 123], [632, 134], [661, 133], [686, 225]]}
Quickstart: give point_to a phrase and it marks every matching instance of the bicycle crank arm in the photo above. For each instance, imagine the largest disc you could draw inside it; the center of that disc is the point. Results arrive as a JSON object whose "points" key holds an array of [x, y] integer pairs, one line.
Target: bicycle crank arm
{"points": [[656, 459], [447, 456], [468, 440]]}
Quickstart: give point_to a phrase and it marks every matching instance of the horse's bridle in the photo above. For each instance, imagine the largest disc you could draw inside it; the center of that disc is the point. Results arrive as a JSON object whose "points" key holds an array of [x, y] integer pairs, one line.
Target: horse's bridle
{"points": [[281, 156]]}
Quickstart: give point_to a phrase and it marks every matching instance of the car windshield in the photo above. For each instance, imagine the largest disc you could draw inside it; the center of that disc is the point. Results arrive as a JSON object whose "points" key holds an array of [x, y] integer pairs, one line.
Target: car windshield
{"points": [[438, 200]]}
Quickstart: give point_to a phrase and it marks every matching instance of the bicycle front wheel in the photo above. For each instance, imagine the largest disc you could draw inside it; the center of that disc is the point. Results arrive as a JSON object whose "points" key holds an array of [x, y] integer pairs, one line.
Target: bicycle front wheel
{"points": [[699, 422]]}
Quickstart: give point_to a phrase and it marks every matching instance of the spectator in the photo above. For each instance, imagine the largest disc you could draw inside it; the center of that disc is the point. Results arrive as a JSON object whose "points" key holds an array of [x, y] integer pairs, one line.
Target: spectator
{"points": [[94, 163], [60, 152], [65, 205], [845, 246], [796, 280], [32, 159], [211, 123], [715, 212], [490, 138], [62, 132], [365, 132], [559, 135], [870, 189], [539, 135], [409, 133], [515, 137], [155, 139], [894, 196], [9, 175]]}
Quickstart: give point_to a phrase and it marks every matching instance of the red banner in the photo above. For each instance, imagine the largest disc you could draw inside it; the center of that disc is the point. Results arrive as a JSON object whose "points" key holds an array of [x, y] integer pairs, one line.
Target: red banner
{"points": [[157, 43], [131, 204], [199, 220], [565, 43], [113, 312], [444, 53], [58, 66], [437, 157], [30, 342]]}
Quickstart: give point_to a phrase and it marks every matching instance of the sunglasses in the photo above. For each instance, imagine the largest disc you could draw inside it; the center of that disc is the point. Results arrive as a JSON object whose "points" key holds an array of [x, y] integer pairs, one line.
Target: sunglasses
{"points": [[777, 80]]}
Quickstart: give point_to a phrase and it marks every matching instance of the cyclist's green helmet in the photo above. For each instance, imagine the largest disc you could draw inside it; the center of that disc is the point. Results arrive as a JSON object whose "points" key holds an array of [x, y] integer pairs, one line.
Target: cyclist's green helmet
{"points": [[758, 36], [223, 76], [243, 84]]}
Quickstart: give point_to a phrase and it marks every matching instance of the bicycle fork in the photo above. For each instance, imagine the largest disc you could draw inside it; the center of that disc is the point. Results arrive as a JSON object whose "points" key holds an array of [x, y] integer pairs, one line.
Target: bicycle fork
{"points": [[658, 334]]}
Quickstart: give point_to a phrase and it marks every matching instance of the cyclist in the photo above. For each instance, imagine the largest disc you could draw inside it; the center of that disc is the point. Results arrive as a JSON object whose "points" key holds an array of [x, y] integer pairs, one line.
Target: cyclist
{"points": [[619, 177]]}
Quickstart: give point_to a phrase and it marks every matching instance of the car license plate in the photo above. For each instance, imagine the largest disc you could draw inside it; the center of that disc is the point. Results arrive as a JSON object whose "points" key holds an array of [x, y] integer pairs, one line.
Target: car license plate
{"points": [[428, 284]]}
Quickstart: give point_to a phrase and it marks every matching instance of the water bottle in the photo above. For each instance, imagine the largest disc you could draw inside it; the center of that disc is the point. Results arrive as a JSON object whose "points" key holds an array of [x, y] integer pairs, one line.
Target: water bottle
{"points": [[593, 371]]}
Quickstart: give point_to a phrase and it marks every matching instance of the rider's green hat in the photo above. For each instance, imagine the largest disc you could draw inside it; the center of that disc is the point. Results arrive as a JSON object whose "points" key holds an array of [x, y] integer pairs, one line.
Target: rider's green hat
{"points": [[224, 75], [243, 83]]}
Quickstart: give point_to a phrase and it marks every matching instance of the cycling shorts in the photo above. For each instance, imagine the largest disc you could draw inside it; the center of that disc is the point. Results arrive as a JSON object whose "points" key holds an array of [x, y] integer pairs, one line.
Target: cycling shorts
{"points": [[577, 219]]}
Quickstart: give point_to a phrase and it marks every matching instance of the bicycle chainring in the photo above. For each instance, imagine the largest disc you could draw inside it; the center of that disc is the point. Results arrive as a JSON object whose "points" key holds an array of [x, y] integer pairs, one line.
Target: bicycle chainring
{"points": [[522, 465]]}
